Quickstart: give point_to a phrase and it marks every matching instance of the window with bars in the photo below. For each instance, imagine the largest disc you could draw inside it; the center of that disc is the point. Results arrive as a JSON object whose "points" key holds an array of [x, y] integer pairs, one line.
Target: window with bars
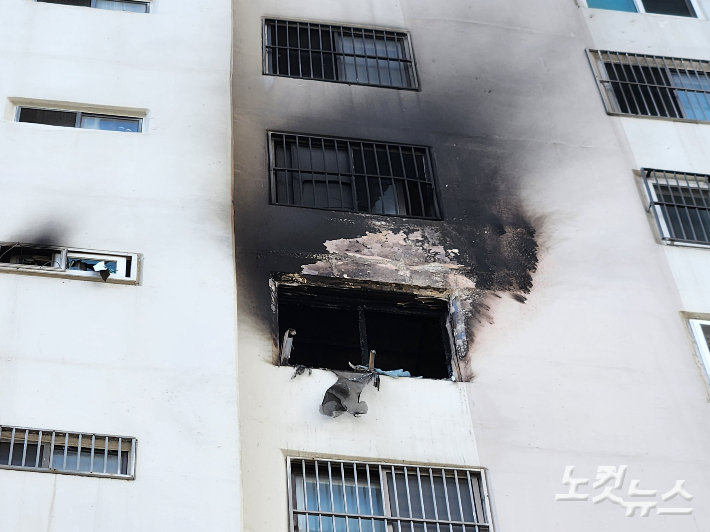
{"points": [[111, 5], [71, 453], [339, 54], [352, 175], [653, 86], [681, 205], [679, 8], [55, 117], [339, 496]]}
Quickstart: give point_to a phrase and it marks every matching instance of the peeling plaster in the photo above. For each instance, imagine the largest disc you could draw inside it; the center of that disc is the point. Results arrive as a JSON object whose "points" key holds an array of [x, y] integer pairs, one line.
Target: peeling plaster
{"points": [[500, 259]]}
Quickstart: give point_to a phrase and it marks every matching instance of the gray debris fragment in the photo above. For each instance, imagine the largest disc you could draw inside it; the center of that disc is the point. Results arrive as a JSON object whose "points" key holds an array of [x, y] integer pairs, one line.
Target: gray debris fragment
{"points": [[344, 395], [287, 346], [300, 370]]}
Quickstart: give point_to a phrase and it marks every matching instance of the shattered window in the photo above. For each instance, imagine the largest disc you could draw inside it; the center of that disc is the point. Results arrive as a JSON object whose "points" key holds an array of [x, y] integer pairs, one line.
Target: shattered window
{"points": [[351, 175], [340, 328], [77, 263], [30, 256], [339, 54], [336, 496]]}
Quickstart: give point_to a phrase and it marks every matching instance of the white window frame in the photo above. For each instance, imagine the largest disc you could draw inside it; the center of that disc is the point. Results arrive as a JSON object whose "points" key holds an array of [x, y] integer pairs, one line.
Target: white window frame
{"points": [[701, 345], [79, 115], [641, 9], [93, 5], [62, 270]]}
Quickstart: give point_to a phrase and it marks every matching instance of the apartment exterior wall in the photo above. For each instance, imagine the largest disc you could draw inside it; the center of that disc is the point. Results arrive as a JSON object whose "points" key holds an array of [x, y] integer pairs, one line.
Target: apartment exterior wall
{"points": [[595, 368], [155, 361]]}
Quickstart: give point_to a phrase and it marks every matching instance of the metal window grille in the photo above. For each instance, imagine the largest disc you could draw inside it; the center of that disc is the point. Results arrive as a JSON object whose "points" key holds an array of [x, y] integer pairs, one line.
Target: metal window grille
{"points": [[69, 453], [338, 53], [339, 496], [351, 175], [681, 205], [653, 86]]}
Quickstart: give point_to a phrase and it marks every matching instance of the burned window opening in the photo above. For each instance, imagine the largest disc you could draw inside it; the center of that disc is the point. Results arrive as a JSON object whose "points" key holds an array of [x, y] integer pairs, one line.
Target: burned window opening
{"points": [[336, 329]]}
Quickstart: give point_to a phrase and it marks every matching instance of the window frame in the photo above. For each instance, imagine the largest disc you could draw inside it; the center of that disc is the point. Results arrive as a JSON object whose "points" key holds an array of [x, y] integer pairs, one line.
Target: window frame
{"points": [[654, 205], [93, 5], [70, 439], [385, 469], [641, 9], [436, 206], [606, 90], [416, 86], [122, 261], [77, 120]]}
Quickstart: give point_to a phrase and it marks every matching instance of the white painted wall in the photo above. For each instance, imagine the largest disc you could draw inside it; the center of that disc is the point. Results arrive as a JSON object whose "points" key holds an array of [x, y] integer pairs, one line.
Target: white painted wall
{"points": [[596, 369], [155, 361]]}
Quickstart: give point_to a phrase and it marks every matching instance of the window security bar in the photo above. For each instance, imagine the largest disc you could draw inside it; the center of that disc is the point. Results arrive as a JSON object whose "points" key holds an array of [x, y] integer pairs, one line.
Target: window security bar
{"points": [[338, 54], [352, 175], [68, 453], [681, 205], [653, 86], [111, 5], [340, 496]]}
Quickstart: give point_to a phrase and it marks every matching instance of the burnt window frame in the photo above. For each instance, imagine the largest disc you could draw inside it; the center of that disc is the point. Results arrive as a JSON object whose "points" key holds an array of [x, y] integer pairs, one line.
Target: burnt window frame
{"points": [[681, 219], [409, 58], [78, 117], [645, 96], [430, 184], [377, 290]]}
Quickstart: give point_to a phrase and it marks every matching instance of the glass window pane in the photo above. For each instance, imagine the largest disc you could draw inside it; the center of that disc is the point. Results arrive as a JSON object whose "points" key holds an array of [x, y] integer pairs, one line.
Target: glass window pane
{"points": [[48, 116], [134, 7], [679, 8], [106, 123], [695, 104], [616, 5]]}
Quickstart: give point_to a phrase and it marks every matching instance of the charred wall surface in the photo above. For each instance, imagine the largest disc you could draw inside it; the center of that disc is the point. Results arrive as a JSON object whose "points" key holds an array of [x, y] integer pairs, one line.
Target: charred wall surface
{"points": [[482, 114]]}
